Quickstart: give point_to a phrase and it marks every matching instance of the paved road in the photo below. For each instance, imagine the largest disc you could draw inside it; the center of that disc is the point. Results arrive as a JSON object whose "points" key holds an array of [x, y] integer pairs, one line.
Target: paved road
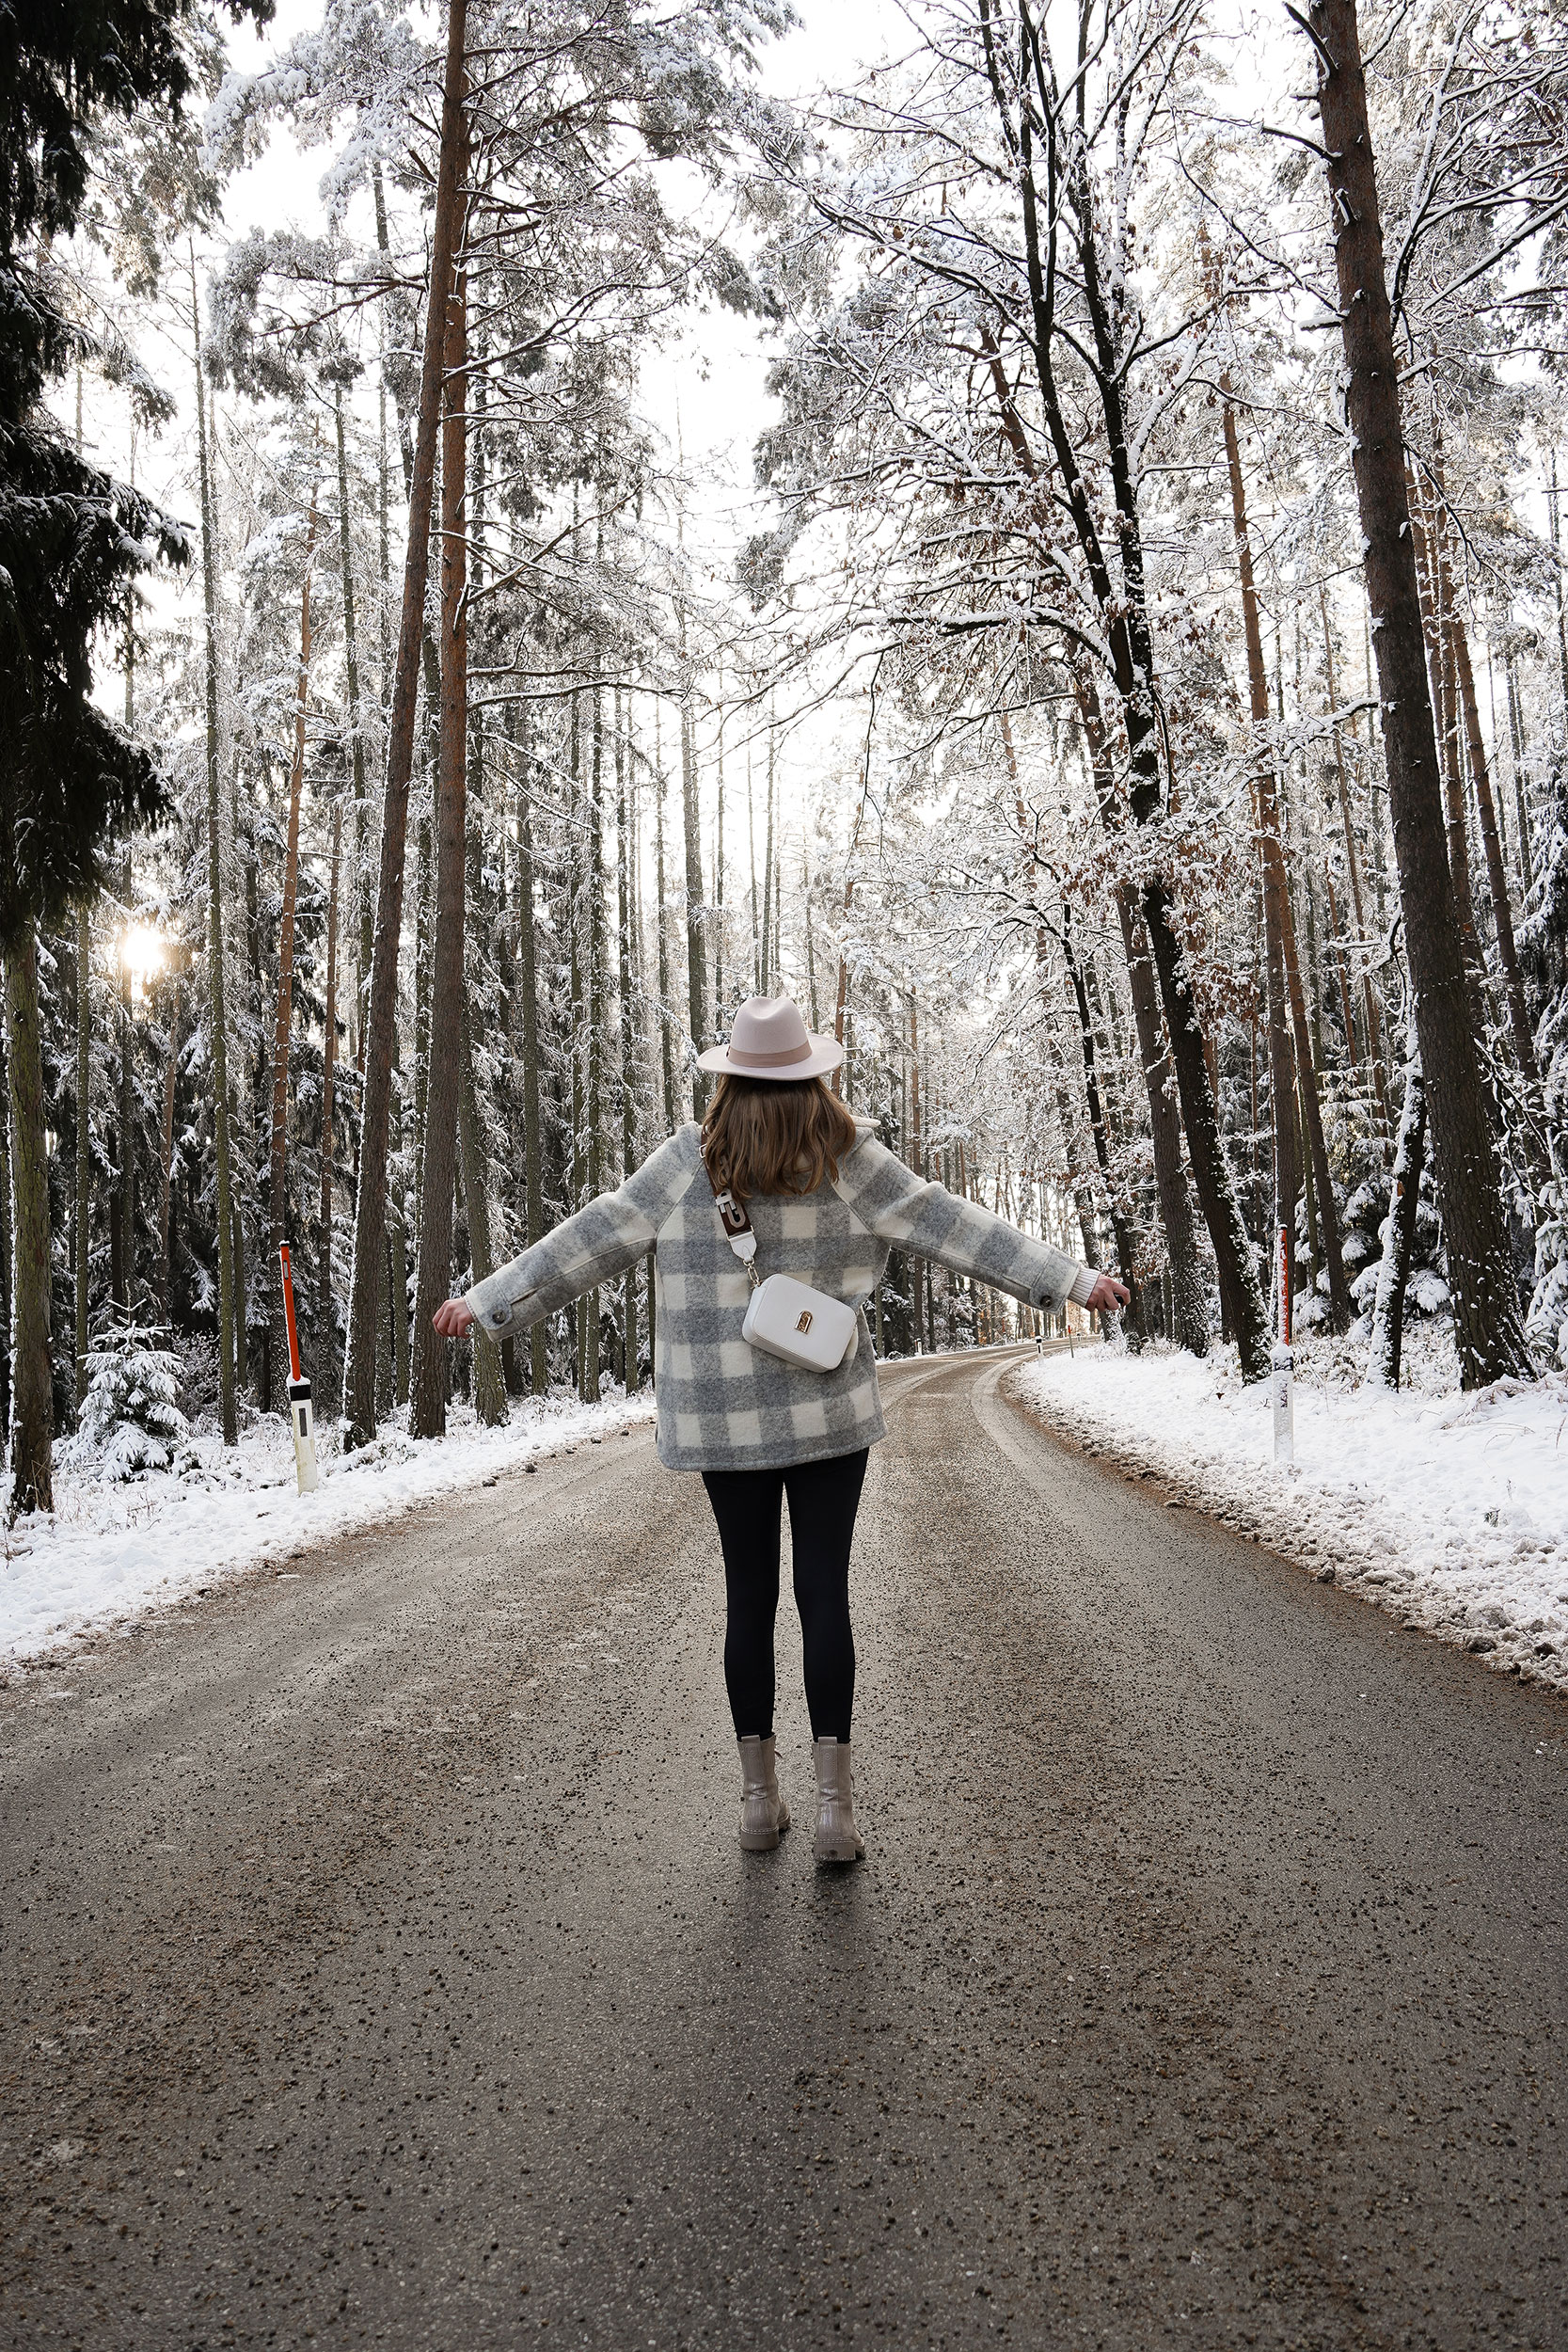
{"points": [[379, 1968]]}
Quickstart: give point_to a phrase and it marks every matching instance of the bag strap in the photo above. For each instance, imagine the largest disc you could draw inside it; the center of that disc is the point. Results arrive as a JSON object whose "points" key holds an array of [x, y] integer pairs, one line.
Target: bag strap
{"points": [[737, 1227]]}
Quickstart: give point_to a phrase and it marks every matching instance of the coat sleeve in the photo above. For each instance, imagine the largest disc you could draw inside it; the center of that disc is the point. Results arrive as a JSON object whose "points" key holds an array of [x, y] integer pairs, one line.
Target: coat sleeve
{"points": [[599, 1243], [902, 1208]]}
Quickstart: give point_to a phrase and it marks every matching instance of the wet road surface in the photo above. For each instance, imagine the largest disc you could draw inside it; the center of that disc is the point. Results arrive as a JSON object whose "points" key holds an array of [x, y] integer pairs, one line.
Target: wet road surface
{"points": [[378, 1966]]}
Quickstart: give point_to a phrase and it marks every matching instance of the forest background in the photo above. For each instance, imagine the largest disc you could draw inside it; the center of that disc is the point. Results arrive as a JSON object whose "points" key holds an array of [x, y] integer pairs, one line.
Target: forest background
{"points": [[614, 531]]}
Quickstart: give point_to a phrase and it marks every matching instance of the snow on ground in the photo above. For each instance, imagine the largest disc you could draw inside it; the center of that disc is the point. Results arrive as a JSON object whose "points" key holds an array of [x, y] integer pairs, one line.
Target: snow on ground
{"points": [[111, 1551], [1450, 1510]]}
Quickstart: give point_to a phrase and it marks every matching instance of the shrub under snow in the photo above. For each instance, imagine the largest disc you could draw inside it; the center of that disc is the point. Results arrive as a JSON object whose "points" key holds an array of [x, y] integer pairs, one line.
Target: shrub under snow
{"points": [[130, 1421]]}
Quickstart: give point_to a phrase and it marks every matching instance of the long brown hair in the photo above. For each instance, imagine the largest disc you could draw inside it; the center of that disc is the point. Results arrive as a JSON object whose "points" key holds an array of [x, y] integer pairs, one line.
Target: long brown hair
{"points": [[765, 1136]]}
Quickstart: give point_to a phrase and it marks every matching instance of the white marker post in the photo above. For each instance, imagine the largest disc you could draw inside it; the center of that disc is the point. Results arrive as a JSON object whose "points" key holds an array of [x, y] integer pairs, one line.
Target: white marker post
{"points": [[1281, 1362], [301, 1418]]}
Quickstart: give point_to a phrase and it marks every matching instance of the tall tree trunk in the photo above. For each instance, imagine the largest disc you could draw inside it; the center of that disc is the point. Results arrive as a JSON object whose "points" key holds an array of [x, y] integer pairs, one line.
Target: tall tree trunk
{"points": [[1353, 864], [598, 993], [666, 1039], [490, 1385], [1190, 1310], [231, 1297], [1121, 1224], [82, 1221], [125, 1202], [356, 702], [166, 1164], [1496, 878], [1279, 922], [1159, 1069], [1487, 1323], [1125, 615], [696, 955], [529, 993], [770, 911], [428, 1387], [32, 1413], [1516, 745], [325, 1365], [1163, 968], [624, 887], [1552, 512], [278, 1157], [371, 1205], [1399, 1235], [717, 876]]}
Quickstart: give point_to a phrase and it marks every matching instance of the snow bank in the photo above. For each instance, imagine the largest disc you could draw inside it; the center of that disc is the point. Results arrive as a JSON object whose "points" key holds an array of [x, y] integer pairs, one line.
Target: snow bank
{"points": [[109, 1550], [1450, 1510]]}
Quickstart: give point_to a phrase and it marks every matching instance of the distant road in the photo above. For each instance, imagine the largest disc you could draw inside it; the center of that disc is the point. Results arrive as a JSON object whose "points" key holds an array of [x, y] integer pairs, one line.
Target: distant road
{"points": [[378, 1966]]}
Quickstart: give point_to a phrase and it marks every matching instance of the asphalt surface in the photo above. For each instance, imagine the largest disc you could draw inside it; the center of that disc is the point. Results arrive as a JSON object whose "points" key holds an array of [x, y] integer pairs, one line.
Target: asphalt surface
{"points": [[379, 1968]]}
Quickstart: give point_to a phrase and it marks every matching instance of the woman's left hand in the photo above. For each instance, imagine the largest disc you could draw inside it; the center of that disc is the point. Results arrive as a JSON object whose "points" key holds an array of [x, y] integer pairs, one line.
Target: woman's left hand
{"points": [[454, 1318], [1108, 1295]]}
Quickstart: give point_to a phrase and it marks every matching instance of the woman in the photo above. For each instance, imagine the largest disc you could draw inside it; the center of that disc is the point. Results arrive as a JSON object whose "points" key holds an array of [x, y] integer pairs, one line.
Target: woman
{"points": [[826, 1202]]}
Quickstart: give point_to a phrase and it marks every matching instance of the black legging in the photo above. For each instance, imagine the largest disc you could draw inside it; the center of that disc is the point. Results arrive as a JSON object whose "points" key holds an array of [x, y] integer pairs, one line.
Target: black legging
{"points": [[823, 1500]]}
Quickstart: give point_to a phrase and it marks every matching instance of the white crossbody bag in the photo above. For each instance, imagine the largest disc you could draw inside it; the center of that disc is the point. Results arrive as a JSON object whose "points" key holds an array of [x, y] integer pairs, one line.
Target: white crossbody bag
{"points": [[786, 1318]]}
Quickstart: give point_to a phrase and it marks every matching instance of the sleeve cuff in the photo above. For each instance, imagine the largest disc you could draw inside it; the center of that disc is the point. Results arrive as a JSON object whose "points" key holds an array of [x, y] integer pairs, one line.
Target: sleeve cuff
{"points": [[491, 1314], [1081, 1288]]}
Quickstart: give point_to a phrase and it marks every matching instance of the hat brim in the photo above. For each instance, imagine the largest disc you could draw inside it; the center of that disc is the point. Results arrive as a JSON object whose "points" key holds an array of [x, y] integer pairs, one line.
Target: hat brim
{"points": [[826, 1055]]}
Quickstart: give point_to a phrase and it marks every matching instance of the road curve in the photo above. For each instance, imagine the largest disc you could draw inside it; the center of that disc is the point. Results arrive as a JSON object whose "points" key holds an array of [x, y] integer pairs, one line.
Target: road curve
{"points": [[379, 1968]]}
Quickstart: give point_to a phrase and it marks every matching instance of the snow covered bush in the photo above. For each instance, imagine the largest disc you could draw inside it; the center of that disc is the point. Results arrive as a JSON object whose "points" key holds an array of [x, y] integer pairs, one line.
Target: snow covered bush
{"points": [[129, 1422]]}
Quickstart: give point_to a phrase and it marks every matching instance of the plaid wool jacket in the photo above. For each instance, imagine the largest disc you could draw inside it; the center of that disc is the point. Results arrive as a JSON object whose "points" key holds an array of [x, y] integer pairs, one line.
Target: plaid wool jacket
{"points": [[722, 1404]]}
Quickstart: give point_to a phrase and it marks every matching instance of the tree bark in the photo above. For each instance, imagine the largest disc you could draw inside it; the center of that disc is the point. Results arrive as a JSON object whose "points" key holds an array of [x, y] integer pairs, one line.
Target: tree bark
{"points": [[325, 1353], [1190, 1309], [598, 996], [1496, 878], [166, 1163], [528, 993], [490, 1385], [625, 885], [230, 1342], [1121, 1225], [666, 1040], [278, 1156], [82, 1220], [1353, 863], [371, 1205], [696, 945], [1399, 1235], [427, 1415], [125, 1203], [1487, 1324], [32, 1413]]}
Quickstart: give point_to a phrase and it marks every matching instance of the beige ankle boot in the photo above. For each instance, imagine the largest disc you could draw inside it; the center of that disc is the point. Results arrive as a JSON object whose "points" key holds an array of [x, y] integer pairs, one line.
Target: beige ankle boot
{"points": [[837, 1838], [764, 1815]]}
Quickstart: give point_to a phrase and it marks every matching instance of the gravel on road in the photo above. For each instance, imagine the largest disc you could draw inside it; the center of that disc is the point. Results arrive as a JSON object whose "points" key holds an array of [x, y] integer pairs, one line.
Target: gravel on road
{"points": [[379, 1967]]}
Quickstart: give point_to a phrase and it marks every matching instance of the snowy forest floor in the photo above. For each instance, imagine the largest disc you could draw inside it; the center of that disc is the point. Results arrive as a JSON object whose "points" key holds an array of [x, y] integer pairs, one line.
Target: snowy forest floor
{"points": [[110, 1551], [1450, 1510]]}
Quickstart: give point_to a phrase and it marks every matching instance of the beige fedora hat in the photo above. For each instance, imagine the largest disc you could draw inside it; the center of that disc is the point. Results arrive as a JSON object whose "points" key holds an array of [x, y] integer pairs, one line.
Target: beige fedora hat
{"points": [[769, 1039]]}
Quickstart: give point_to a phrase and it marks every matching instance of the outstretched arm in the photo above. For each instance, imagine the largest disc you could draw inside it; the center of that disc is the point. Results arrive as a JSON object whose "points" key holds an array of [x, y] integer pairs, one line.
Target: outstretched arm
{"points": [[599, 1243], [903, 1208]]}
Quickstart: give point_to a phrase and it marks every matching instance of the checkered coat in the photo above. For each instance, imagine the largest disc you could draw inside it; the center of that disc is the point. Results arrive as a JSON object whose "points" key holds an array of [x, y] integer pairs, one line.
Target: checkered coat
{"points": [[722, 1404]]}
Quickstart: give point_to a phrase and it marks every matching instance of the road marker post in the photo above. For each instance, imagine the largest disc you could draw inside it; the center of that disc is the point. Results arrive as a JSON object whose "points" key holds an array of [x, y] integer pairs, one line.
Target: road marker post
{"points": [[302, 1420], [1281, 1362]]}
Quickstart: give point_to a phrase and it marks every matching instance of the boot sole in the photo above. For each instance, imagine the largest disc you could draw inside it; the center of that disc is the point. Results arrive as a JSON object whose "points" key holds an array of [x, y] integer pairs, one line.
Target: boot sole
{"points": [[839, 1849], [762, 1840]]}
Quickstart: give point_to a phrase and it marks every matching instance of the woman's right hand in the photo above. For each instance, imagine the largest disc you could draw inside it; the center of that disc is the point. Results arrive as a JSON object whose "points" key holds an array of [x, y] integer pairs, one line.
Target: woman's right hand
{"points": [[454, 1319]]}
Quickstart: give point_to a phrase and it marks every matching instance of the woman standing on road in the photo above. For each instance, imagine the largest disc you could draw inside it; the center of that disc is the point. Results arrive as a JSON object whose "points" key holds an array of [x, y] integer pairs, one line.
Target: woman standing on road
{"points": [[777, 1157]]}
